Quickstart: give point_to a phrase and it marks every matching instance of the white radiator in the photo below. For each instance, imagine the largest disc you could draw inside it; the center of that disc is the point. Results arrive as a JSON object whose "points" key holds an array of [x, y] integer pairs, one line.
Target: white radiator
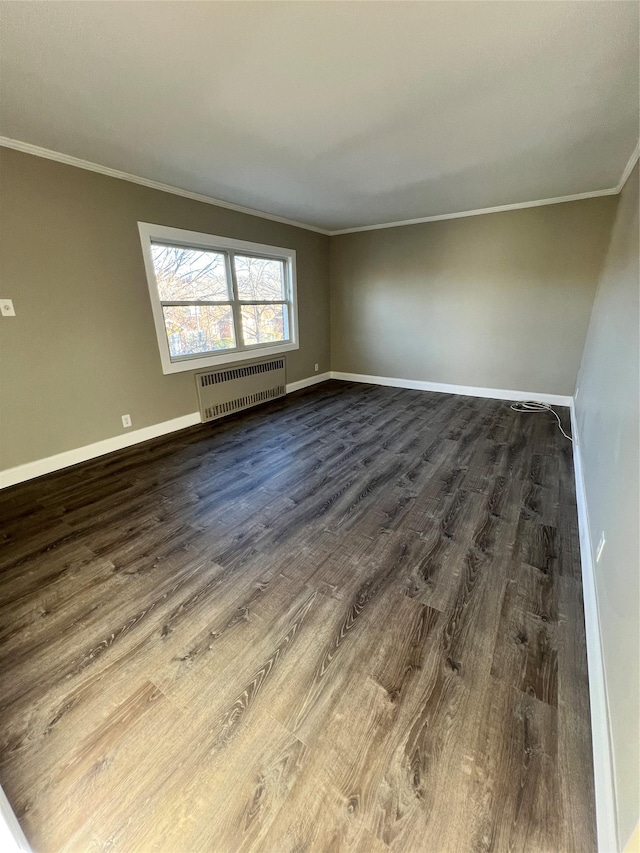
{"points": [[231, 389]]}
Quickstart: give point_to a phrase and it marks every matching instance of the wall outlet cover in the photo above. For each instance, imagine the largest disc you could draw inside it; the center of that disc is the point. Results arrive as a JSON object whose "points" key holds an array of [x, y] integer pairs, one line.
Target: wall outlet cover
{"points": [[6, 308], [126, 420]]}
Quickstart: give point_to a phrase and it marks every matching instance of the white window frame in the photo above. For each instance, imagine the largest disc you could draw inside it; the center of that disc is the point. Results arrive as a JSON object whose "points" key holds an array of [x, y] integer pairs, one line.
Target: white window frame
{"points": [[150, 233]]}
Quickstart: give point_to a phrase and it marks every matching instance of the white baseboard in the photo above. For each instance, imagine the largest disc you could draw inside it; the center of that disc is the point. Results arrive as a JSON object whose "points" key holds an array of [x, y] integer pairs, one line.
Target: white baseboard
{"points": [[91, 451], [465, 390], [31, 470], [600, 730], [305, 383]]}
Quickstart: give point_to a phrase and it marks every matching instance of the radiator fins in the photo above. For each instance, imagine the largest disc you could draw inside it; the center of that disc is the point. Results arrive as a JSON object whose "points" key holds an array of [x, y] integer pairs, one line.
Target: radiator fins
{"points": [[217, 376], [222, 392], [242, 403]]}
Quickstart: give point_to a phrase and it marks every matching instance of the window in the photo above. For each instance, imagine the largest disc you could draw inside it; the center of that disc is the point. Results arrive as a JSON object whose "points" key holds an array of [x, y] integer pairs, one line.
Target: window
{"points": [[217, 300]]}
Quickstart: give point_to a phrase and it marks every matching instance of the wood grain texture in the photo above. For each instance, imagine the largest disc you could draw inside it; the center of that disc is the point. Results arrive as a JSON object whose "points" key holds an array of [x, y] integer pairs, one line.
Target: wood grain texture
{"points": [[349, 620]]}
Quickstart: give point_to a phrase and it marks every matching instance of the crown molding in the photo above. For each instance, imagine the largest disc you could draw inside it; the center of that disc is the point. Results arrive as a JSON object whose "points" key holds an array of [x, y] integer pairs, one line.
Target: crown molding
{"points": [[504, 207], [629, 167], [48, 154], [463, 214], [68, 160]]}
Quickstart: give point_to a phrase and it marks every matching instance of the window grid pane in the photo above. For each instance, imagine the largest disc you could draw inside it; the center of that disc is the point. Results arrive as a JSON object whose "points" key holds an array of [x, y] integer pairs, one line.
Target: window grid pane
{"points": [[186, 274], [264, 323], [195, 329], [259, 279]]}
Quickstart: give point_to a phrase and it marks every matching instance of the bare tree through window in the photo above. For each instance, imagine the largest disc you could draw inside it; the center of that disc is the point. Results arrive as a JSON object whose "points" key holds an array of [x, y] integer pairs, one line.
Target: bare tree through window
{"points": [[261, 290], [218, 296], [194, 276]]}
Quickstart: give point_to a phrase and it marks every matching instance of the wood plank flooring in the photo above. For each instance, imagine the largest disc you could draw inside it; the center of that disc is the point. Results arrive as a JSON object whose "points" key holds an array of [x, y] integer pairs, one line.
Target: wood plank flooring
{"points": [[350, 620]]}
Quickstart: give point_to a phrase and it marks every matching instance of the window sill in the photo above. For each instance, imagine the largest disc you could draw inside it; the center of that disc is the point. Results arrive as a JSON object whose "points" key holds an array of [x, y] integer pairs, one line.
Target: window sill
{"points": [[235, 357]]}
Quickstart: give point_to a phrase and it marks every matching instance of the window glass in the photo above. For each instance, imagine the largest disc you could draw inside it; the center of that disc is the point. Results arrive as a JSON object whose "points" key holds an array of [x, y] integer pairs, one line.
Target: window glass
{"points": [[189, 275], [264, 323], [198, 328], [259, 279]]}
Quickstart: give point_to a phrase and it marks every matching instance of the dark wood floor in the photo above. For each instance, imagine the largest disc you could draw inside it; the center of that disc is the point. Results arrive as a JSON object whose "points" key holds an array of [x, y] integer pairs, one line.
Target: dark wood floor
{"points": [[349, 620]]}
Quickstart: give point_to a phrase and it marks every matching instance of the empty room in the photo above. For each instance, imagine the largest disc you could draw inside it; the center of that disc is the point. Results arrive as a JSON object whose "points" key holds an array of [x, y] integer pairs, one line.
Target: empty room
{"points": [[319, 427]]}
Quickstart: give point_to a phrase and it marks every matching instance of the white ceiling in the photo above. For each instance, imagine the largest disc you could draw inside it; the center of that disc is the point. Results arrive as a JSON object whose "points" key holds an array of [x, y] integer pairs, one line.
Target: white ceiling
{"points": [[334, 114]]}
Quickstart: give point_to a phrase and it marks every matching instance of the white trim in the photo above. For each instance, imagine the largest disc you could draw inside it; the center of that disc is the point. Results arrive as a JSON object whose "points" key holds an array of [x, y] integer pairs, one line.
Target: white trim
{"points": [[90, 451], [629, 167], [12, 838], [465, 390], [31, 470], [179, 236], [463, 214], [305, 383], [68, 160], [598, 698]]}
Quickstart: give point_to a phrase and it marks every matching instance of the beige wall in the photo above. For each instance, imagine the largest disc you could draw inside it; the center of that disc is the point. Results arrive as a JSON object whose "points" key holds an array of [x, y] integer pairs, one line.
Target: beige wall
{"points": [[82, 349], [496, 301], [608, 428]]}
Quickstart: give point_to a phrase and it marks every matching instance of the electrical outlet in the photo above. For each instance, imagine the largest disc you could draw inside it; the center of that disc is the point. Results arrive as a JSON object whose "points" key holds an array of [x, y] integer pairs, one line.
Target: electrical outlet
{"points": [[316, 368], [6, 308], [600, 547], [126, 420]]}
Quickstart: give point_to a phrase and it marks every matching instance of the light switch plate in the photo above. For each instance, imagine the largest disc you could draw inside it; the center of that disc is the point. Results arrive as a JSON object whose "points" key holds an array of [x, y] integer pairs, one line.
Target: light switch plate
{"points": [[6, 308]]}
